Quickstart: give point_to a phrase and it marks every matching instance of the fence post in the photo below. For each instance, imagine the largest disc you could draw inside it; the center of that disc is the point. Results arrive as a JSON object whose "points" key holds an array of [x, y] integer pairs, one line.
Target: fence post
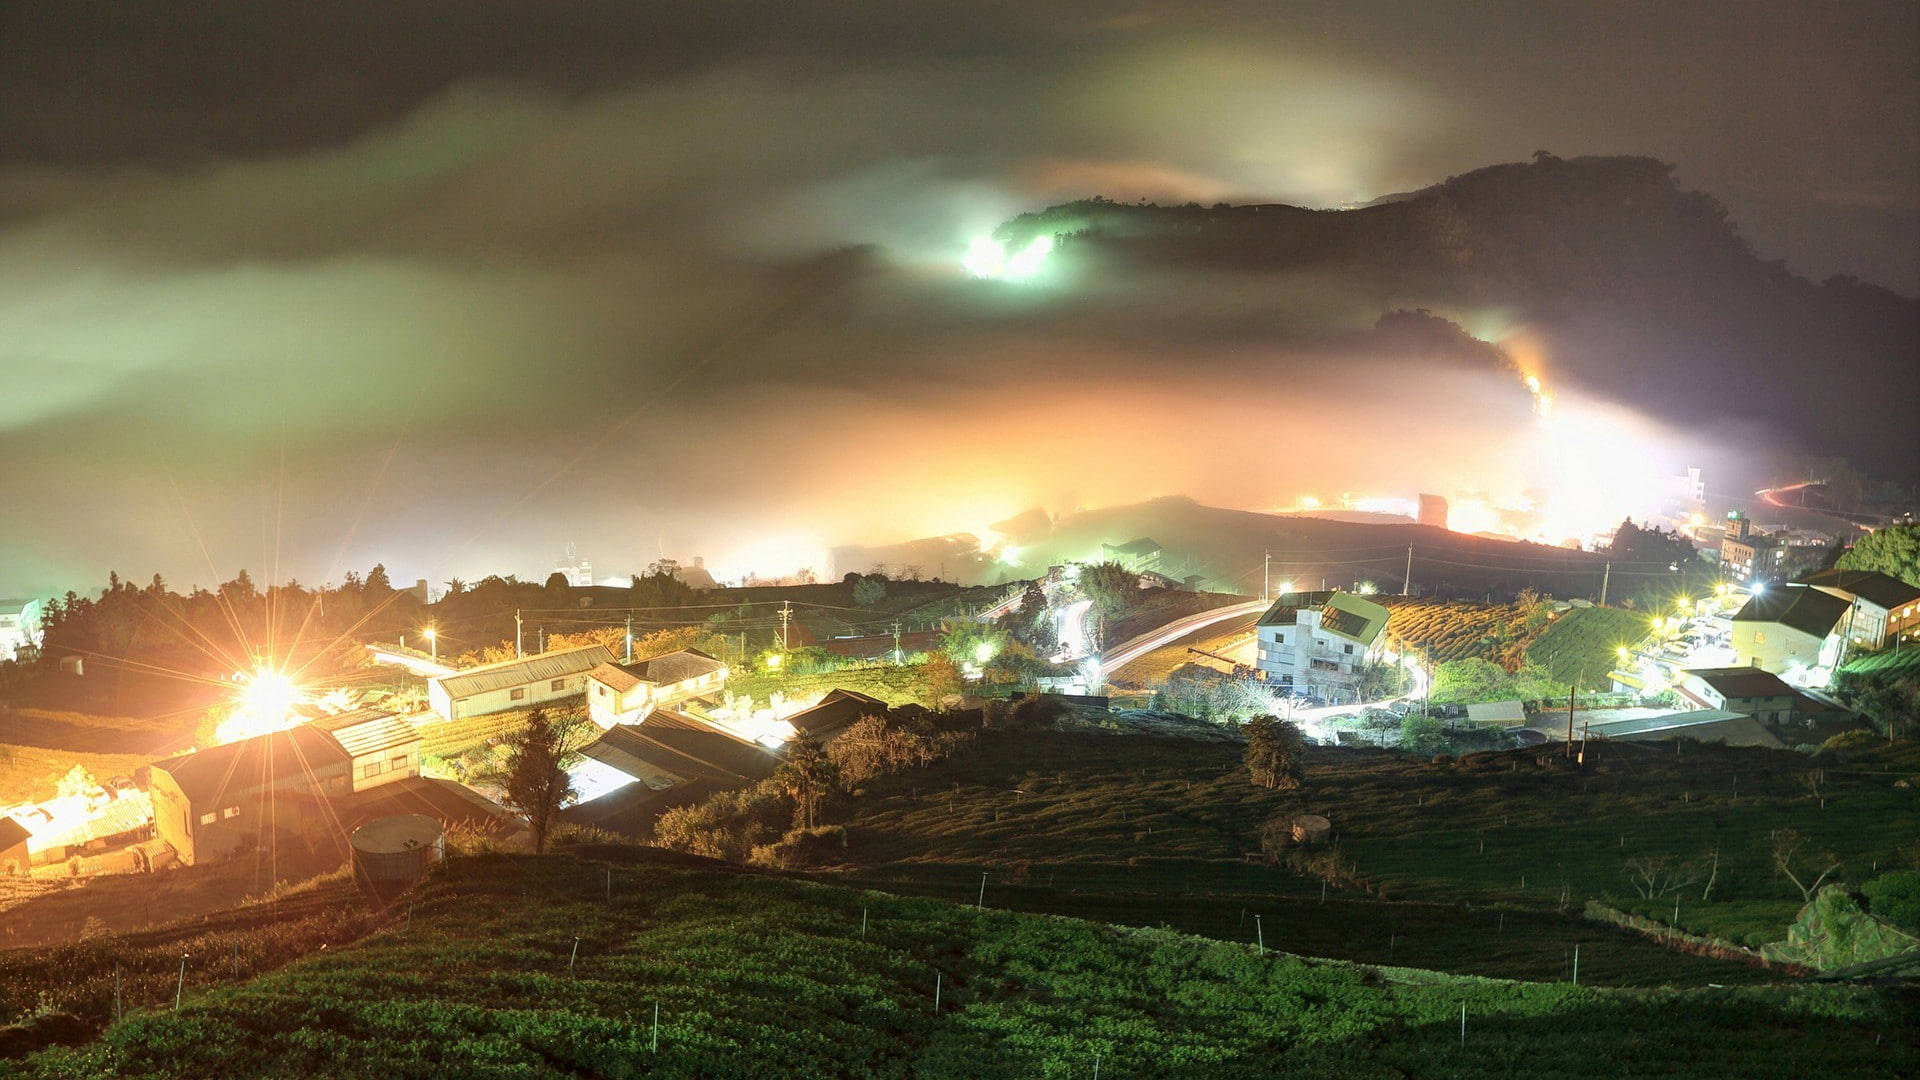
{"points": [[1260, 934], [655, 1048], [1576, 965], [116, 993], [863, 924], [1463, 1025], [936, 991], [574, 956], [180, 988]]}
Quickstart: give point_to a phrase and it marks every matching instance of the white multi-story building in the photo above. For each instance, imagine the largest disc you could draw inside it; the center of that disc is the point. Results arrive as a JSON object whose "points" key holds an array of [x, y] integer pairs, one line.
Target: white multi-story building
{"points": [[1315, 642], [19, 627]]}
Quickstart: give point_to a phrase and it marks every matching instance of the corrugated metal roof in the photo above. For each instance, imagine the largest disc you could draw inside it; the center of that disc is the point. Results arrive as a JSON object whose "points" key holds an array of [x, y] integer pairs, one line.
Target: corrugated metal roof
{"points": [[260, 762], [530, 669], [368, 731]]}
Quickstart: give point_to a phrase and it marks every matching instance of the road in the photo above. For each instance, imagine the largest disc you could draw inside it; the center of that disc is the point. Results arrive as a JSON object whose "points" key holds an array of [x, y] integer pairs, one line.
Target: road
{"points": [[1133, 649]]}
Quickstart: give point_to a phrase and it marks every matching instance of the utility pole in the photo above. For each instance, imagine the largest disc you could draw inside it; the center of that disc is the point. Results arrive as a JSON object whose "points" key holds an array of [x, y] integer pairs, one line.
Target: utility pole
{"points": [[1266, 577], [1606, 576], [517, 652], [897, 659], [786, 613], [629, 658], [1406, 587], [540, 636]]}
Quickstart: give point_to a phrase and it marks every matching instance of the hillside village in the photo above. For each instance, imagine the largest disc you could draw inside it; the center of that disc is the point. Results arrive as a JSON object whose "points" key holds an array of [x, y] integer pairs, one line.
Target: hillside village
{"points": [[1081, 743]]}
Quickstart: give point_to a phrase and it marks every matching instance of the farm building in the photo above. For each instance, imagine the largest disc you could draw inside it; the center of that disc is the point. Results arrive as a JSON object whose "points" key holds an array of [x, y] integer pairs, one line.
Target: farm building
{"points": [[13, 847], [383, 747], [833, 714], [1314, 642], [627, 693], [213, 803], [515, 684], [668, 749], [1748, 691]]}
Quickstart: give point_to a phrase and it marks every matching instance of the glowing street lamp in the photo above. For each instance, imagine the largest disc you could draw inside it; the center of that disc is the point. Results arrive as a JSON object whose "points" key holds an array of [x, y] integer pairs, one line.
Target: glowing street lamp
{"points": [[433, 641]]}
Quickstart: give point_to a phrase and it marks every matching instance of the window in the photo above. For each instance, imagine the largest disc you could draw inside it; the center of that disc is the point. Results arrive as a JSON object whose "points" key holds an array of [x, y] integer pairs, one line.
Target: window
{"points": [[400, 761], [1759, 637], [207, 818], [600, 690], [371, 768], [1282, 639], [558, 684], [518, 693], [230, 812], [1349, 650]]}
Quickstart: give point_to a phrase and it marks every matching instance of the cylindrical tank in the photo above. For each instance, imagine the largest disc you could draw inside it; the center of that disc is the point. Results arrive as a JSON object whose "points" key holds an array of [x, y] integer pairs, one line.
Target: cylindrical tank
{"points": [[392, 853]]}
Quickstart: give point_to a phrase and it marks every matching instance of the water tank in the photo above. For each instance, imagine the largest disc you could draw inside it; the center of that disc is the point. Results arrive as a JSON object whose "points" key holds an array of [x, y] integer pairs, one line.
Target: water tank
{"points": [[391, 853]]}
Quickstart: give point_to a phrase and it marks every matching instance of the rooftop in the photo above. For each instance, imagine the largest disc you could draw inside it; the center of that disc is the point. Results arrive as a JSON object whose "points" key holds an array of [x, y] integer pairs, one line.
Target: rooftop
{"points": [[834, 713], [250, 764], [1743, 682], [556, 664], [666, 669], [368, 731], [1870, 585], [684, 747], [1799, 607], [1286, 607], [1707, 725]]}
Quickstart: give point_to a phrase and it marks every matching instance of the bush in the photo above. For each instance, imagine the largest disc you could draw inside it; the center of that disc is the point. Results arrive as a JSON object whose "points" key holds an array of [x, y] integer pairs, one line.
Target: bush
{"points": [[1849, 745], [801, 848], [1895, 898]]}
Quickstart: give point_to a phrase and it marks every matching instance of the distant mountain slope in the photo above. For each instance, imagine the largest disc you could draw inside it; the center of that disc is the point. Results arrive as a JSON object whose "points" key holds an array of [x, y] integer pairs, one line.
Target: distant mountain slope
{"points": [[1231, 547], [1640, 289]]}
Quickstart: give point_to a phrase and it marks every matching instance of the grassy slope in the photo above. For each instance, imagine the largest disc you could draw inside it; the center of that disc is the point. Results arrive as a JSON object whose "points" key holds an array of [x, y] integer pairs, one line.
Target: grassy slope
{"points": [[38, 746], [1138, 815], [1579, 646], [765, 976]]}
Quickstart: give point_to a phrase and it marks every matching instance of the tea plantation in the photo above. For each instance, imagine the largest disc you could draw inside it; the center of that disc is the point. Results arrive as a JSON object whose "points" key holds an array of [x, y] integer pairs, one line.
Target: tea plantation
{"points": [[522, 966]]}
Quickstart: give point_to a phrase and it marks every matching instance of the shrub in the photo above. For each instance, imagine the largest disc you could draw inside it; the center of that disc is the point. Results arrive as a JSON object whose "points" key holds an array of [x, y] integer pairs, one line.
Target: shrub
{"points": [[800, 848], [1895, 898]]}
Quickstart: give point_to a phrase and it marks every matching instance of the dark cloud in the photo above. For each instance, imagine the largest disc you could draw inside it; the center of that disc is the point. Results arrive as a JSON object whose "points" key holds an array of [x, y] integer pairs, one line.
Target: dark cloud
{"points": [[668, 274]]}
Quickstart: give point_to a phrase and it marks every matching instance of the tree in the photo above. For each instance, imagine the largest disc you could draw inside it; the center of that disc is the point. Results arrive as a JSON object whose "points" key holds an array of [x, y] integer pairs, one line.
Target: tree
{"points": [[556, 580], [377, 582], [534, 777], [1112, 587], [1273, 753], [1893, 551], [1468, 680], [1654, 876], [807, 777], [1786, 845], [870, 590]]}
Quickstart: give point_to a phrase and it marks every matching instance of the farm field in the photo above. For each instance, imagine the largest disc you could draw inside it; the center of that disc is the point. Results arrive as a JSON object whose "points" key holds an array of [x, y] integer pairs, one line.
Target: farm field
{"points": [[1140, 815], [1575, 645], [756, 975]]}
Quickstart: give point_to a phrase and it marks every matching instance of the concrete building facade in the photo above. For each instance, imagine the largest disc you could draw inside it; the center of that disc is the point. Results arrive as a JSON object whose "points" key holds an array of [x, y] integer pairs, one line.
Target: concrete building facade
{"points": [[1315, 642]]}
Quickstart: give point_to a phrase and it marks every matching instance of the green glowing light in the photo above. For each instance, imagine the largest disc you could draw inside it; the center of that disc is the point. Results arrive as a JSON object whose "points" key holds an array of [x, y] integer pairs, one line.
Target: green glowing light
{"points": [[988, 258]]}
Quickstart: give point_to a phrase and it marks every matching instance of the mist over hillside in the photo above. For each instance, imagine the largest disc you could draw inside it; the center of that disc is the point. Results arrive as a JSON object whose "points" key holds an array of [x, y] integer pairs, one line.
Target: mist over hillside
{"points": [[1623, 282]]}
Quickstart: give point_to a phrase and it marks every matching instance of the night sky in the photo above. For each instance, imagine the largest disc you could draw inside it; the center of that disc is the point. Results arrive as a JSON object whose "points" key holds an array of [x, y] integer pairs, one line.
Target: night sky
{"points": [[303, 287]]}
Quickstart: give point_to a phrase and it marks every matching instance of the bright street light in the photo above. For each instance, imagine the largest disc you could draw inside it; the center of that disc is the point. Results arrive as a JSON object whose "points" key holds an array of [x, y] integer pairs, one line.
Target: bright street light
{"points": [[433, 641]]}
